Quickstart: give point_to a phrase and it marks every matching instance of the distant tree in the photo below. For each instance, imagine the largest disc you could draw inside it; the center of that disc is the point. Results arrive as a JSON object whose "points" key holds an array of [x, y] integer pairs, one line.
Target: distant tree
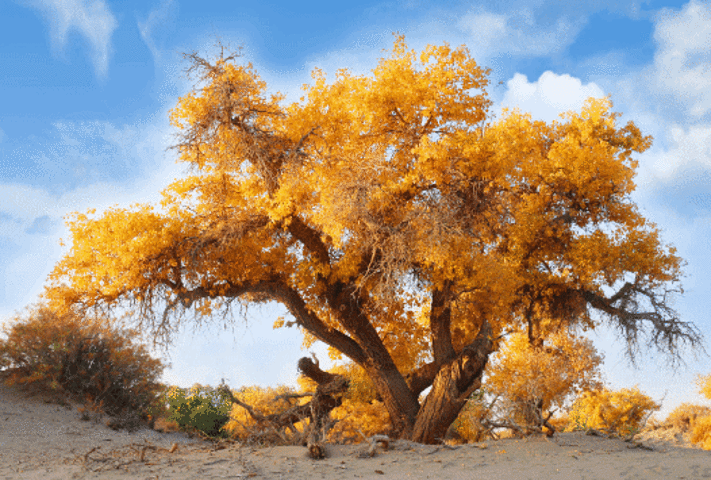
{"points": [[396, 221], [534, 381]]}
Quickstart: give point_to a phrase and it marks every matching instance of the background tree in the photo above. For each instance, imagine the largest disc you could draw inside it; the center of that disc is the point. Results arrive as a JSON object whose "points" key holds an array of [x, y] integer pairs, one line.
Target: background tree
{"points": [[394, 219], [534, 381]]}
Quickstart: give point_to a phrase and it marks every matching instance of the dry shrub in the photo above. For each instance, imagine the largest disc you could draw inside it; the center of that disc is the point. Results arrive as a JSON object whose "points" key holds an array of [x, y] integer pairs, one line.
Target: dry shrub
{"points": [[86, 358], [623, 411]]}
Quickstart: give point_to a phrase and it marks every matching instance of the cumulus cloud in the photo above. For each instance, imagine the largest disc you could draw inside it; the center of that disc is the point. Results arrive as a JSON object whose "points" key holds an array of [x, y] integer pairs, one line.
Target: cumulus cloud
{"points": [[682, 63], [91, 18], [548, 97]]}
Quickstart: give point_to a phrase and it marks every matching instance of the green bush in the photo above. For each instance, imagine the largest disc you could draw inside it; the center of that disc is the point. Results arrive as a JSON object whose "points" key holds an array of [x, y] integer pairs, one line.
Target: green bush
{"points": [[87, 358], [199, 408]]}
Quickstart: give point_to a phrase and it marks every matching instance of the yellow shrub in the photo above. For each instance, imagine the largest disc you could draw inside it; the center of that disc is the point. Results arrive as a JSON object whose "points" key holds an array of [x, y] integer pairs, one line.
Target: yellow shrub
{"points": [[467, 425], [357, 419], [523, 375], [623, 411], [700, 424], [241, 425], [702, 432], [684, 416]]}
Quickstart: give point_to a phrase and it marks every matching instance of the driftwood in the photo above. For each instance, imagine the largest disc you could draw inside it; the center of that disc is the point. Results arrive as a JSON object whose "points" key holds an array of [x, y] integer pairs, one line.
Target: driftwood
{"points": [[326, 397]]}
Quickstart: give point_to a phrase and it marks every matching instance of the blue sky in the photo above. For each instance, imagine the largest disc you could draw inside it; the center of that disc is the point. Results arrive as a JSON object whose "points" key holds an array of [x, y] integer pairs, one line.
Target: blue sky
{"points": [[86, 85]]}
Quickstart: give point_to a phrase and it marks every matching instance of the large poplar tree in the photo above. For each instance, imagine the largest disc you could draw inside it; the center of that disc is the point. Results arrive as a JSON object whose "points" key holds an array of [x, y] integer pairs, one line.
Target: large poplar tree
{"points": [[397, 221]]}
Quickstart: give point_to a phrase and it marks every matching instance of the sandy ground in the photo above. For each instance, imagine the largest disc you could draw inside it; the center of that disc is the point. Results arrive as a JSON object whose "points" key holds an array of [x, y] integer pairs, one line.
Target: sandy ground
{"points": [[41, 440]]}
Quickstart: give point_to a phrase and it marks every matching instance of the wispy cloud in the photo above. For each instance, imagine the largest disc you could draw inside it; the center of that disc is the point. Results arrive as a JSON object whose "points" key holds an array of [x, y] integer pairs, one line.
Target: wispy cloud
{"points": [[91, 18], [518, 33], [32, 215], [682, 64], [156, 21]]}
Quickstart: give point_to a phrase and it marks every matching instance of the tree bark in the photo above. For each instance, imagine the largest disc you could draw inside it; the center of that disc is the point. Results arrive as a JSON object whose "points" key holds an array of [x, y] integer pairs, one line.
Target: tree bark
{"points": [[455, 381]]}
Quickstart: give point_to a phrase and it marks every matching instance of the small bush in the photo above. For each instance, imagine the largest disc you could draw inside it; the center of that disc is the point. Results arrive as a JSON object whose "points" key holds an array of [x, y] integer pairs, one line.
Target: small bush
{"points": [[700, 423], [468, 426], [361, 414], [199, 408], [685, 416], [532, 381], [86, 358], [701, 432], [623, 411]]}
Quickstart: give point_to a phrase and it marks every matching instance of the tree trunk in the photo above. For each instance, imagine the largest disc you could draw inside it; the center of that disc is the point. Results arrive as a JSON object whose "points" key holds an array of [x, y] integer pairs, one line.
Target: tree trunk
{"points": [[455, 381]]}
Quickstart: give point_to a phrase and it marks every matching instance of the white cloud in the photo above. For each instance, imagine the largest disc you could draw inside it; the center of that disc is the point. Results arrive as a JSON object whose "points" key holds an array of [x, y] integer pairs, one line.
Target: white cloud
{"points": [[32, 216], [682, 64], [687, 149], [157, 19], [548, 97], [92, 18], [517, 34], [2, 135]]}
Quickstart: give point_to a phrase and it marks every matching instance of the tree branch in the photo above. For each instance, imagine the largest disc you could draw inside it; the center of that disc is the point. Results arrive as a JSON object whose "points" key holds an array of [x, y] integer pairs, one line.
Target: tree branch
{"points": [[440, 321], [667, 328], [291, 299]]}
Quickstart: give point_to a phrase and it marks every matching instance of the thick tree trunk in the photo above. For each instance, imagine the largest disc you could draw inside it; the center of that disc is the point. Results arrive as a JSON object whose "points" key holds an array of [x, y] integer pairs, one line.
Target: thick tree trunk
{"points": [[455, 381], [398, 399]]}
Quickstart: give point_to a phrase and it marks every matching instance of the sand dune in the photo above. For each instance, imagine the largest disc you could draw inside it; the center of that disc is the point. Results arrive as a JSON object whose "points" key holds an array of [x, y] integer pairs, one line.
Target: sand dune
{"points": [[41, 440]]}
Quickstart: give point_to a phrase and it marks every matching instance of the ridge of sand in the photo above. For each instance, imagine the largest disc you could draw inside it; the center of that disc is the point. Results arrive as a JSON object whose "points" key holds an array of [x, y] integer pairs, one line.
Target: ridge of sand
{"points": [[41, 440]]}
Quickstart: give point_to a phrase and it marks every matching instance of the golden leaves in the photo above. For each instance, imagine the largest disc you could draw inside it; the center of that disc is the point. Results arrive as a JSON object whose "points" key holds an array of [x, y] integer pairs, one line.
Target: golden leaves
{"points": [[403, 184], [562, 366]]}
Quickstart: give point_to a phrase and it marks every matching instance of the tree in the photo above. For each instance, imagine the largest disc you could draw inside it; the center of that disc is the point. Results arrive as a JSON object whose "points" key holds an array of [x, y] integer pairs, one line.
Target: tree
{"points": [[534, 382], [396, 221]]}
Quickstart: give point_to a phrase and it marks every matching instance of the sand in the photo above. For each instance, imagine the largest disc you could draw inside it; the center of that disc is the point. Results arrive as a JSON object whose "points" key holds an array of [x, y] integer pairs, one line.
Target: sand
{"points": [[44, 440]]}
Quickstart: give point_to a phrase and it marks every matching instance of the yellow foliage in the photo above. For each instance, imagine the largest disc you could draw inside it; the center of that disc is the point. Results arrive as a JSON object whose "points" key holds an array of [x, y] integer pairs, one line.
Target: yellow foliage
{"points": [[468, 426], [241, 425], [360, 413], [358, 420], [704, 384], [562, 366], [623, 411], [701, 433], [685, 416], [353, 206], [696, 418]]}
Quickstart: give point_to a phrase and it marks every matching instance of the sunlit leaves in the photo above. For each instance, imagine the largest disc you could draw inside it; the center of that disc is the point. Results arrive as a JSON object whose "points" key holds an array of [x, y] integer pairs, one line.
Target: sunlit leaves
{"points": [[356, 204], [556, 371], [621, 411]]}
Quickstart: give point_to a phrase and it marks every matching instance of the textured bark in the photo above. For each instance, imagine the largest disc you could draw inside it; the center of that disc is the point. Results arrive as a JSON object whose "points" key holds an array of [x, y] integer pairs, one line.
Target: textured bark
{"points": [[390, 384], [453, 384], [440, 323]]}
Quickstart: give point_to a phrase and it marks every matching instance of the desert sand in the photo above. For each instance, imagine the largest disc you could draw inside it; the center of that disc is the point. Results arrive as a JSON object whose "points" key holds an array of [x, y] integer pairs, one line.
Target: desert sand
{"points": [[40, 439]]}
